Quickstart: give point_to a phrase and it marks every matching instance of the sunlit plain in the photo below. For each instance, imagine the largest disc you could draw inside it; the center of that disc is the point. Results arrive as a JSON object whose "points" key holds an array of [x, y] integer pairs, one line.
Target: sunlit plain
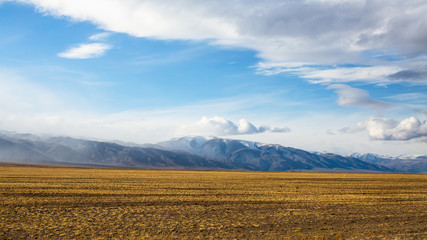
{"points": [[85, 203]]}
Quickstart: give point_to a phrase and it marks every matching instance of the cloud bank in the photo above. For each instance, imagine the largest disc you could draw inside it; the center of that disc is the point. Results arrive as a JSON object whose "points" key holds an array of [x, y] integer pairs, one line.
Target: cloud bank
{"points": [[375, 41], [412, 75], [389, 129], [311, 31], [218, 126]]}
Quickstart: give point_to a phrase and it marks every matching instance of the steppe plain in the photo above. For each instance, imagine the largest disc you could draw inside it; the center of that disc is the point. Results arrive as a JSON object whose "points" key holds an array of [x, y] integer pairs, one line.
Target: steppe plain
{"points": [[100, 203]]}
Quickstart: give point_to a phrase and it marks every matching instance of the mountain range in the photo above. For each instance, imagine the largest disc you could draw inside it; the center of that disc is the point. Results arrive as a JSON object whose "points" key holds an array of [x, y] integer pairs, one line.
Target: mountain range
{"points": [[192, 153], [406, 164]]}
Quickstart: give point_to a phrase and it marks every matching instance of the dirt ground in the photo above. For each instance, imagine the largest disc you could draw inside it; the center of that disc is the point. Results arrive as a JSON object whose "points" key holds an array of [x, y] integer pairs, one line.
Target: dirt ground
{"points": [[85, 203]]}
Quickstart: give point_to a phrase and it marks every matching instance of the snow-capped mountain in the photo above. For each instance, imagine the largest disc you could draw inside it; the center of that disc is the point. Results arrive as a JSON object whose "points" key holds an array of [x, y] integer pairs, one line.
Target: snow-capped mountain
{"points": [[192, 153], [403, 163], [266, 157]]}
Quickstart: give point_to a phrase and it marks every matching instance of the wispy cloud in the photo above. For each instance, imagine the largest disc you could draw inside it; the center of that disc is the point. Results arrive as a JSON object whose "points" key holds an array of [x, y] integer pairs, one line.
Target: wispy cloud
{"points": [[349, 74], [414, 97], [389, 129], [335, 74], [317, 32], [100, 36], [84, 51], [349, 96]]}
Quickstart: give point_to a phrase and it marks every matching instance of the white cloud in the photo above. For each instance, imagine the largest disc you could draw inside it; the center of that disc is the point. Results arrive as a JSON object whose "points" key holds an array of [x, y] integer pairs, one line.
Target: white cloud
{"points": [[245, 127], [388, 129], [319, 32], [284, 34], [319, 75], [365, 74], [100, 36], [84, 51], [218, 126], [39, 109], [349, 96], [165, 20]]}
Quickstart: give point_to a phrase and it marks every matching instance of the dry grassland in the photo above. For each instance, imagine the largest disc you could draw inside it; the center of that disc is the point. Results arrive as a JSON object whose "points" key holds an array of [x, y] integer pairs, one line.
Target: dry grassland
{"points": [[83, 203]]}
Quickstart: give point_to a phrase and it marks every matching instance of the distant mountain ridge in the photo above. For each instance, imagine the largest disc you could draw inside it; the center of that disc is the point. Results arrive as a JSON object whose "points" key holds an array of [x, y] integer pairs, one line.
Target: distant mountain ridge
{"points": [[78, 152], [407, 164], [181, 153], [266, 157]]}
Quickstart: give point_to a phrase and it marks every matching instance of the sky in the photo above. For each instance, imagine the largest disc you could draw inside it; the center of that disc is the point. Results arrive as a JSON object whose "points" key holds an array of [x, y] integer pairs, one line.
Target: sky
{"points": [[321, 75]]}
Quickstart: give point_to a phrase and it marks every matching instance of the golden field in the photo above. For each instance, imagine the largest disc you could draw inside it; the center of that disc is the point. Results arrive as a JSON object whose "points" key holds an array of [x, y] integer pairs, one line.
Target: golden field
{"points": [[85, 203]]}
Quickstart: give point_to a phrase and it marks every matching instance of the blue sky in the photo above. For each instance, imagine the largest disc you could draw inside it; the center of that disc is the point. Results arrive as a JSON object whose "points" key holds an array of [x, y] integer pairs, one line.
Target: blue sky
{"points": [[346, 76]]}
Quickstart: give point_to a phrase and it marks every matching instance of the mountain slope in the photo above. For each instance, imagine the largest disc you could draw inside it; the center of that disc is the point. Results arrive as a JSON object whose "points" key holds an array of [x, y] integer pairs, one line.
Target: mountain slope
{"points": [[183, 153], [69, 151], [16, 152], [266, 157], [416, 164]]}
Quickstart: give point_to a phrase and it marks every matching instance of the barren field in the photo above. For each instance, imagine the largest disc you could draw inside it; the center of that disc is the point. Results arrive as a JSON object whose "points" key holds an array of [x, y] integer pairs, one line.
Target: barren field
{"points": [[83, 203]]}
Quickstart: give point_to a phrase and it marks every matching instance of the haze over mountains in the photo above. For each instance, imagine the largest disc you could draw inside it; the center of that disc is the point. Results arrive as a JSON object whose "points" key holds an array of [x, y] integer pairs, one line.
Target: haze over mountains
{"points": [[192, 153], [407, 164]]}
